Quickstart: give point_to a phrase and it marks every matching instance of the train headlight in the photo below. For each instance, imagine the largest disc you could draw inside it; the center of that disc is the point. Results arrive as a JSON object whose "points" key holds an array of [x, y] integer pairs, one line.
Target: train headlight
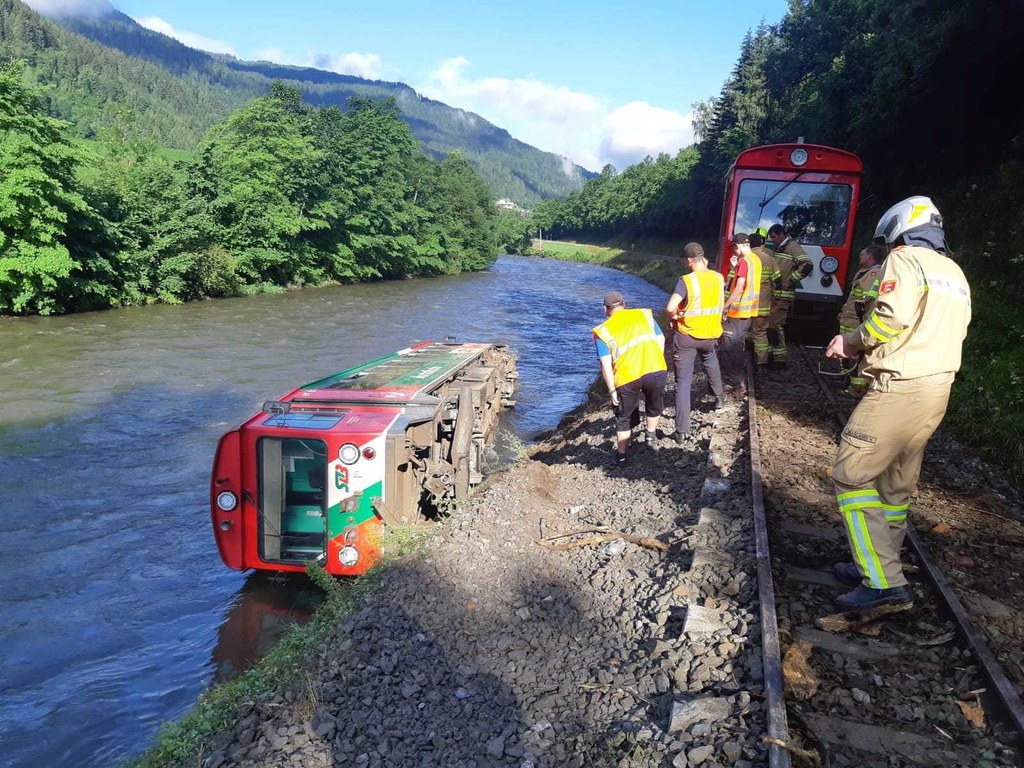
{"points": [[349, 453], [826, 280], [798, 157], [348, 556], [225, 525], [829, 265], [226, 501]]}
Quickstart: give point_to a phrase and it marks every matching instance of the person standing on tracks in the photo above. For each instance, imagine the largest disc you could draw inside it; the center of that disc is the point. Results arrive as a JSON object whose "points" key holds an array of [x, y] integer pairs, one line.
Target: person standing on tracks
{"points": [[631, 348], [911, 341], [695, 307], [859, 304], [769, 279], [740, 308], [794, 265]]}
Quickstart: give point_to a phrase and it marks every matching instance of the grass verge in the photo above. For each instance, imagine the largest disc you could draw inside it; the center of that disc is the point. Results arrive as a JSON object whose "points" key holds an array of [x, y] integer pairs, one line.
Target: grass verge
{"points": [[659, 269], [189, 740]]}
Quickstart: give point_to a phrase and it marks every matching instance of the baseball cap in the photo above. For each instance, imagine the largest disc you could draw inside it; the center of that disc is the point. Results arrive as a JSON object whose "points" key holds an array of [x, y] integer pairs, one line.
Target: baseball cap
{"points": [[613, 299], [740, 239], [693, 251]]}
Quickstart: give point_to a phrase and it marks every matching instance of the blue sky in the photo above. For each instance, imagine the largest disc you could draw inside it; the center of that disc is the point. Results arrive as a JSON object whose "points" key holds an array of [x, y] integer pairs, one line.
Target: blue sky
{"points": [[597, 82]]}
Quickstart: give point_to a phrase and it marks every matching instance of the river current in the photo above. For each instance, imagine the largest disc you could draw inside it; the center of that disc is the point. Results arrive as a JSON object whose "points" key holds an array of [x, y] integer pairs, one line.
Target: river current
{"points": [[115, 610]]}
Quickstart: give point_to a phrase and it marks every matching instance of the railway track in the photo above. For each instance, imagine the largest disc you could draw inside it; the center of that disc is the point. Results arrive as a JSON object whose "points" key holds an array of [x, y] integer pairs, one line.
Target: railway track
{"points": [[913, 688]]}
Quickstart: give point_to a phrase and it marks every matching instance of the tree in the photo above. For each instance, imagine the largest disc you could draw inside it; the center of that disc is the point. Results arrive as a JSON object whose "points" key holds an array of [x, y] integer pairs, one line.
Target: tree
{"points": [[38, 201]]}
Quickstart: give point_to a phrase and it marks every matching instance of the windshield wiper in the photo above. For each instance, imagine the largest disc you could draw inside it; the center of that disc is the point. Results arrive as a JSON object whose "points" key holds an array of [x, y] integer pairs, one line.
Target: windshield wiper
{"points": [[779, 191]]}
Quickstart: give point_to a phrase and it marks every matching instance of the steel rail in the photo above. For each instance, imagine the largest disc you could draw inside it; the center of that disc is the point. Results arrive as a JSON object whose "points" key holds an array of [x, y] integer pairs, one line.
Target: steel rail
{"points": [[778, 726], [1005, 693]]}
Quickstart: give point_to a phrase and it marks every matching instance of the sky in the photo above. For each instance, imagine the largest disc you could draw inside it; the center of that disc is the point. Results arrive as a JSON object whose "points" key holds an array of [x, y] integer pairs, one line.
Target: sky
{"points": [[597, 82]]}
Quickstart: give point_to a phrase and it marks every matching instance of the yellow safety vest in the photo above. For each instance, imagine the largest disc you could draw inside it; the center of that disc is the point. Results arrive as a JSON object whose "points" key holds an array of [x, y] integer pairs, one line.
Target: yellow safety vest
{"points": [[636, 351], [747, 304], [702, 317]]}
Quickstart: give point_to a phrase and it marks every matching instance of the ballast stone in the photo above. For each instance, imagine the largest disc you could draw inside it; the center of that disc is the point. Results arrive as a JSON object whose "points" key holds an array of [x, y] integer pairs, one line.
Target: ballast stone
{"points": [[706, 709], [702, 621]]}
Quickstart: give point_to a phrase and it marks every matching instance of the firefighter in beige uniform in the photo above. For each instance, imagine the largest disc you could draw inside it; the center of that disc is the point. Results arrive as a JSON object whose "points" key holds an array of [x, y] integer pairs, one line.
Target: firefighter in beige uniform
{"points": [[858, 306], [911, 342], [794, 265]]}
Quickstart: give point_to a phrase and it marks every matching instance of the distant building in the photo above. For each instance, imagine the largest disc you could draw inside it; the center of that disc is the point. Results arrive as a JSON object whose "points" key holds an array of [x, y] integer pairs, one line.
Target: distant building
{"points": [[510, 205]]}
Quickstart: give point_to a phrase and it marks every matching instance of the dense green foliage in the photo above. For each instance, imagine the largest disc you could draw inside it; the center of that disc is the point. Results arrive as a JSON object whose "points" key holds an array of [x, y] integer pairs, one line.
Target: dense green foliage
{"points": [[128, 79], [280, 194], [917, 88]]}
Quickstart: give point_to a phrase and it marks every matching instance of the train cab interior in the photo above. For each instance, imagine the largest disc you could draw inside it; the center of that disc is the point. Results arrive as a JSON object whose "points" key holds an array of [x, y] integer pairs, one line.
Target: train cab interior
{"points": [[292, 504]]}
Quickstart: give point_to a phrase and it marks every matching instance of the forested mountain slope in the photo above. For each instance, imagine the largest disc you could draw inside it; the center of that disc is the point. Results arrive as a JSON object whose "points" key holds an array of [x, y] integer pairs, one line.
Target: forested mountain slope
{"points": [[105, 72]]}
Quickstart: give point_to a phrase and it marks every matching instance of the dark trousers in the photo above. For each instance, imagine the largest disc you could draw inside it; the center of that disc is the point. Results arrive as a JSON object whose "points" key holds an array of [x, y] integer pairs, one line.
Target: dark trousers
{"points": [[731, 345], [685, 349]]}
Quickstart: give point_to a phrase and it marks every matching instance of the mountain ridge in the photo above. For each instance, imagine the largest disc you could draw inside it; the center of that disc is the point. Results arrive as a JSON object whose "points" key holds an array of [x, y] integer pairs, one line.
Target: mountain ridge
{"points": [[223, 83]]}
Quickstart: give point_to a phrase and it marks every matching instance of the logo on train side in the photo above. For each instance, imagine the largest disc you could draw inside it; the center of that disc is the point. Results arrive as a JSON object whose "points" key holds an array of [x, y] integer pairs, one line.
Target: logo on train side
{"points": [[341, 477]]}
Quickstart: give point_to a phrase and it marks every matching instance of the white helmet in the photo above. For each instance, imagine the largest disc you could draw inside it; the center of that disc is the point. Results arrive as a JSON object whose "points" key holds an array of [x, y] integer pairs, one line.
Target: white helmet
{"points": [[916, 211]]}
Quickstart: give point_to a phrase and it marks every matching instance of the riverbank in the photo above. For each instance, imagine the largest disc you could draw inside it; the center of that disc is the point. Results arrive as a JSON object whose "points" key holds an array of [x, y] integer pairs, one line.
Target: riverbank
{"points": [[485, 647], [658, 269]]}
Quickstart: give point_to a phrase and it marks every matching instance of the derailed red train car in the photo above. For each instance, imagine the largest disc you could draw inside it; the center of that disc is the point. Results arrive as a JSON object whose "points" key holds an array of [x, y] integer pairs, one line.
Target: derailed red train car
{"points": [[813, 192], [315, 475]]}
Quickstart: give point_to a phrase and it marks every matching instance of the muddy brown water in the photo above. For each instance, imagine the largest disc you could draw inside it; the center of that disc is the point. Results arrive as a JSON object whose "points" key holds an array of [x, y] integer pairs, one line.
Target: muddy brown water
{"points": [[115, 610]]}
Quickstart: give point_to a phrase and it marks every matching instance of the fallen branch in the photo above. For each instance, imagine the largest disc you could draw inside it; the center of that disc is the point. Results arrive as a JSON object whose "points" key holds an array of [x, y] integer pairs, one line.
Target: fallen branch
{"points": [[603, 535], [811, 757]]}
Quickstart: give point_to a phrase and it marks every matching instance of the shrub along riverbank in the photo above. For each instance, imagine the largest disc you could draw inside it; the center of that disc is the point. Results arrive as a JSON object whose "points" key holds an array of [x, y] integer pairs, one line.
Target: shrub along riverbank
{"points": [[986, 408]]}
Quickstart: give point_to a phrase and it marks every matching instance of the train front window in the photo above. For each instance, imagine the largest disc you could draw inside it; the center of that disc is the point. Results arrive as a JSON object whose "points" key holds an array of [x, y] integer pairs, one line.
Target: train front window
{"points": [[815, 213], [292, 510]]}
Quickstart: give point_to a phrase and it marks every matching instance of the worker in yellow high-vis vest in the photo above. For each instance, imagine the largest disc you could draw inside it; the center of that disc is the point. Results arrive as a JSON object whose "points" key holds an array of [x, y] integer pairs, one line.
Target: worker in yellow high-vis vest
{"points": [[740, 308], [696, 308], [631, 348], [911, 342]]}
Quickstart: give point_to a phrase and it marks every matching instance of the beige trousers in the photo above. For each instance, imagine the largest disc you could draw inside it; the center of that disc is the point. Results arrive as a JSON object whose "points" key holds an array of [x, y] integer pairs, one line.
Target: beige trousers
{"points": [[877, 466]]}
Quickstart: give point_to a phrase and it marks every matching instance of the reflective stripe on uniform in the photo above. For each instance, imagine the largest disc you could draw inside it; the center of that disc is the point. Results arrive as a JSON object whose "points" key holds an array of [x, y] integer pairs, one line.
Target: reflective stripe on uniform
{"points": [[896, 513], [852, 505], [947, 287], [880, 329]]}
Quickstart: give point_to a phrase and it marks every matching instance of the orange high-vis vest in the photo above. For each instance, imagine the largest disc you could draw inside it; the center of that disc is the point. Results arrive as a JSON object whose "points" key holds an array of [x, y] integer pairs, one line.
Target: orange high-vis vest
{"points": [[746, 305], [702, 316], [631, 337]]}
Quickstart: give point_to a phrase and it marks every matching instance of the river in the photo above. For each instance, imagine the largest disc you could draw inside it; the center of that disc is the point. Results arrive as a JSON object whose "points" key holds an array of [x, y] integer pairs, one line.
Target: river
{"points": [[115, 610]]}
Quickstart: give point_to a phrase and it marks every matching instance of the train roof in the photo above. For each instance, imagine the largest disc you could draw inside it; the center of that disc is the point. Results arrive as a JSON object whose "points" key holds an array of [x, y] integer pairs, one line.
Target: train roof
{"points": [[396, 379], [777, 157]]}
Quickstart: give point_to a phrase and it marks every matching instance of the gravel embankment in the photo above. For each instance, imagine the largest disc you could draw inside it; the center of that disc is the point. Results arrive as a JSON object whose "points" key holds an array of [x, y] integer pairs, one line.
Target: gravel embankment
{"points": [[491, 650]]}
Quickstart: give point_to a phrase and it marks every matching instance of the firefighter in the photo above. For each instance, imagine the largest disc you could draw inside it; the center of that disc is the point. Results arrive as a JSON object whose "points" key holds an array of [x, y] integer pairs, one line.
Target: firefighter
{"points": [[769, 280], [740, 307], [794, 266], [911, 342], [696, 308], [859, 304], [631, 348]]}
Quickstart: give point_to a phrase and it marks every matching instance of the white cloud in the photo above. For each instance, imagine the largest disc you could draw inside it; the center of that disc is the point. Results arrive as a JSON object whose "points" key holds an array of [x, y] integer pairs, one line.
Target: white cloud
{"points": [[74, 8], [191, 39], [365, 65], [583, 127], [637, 129]]}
